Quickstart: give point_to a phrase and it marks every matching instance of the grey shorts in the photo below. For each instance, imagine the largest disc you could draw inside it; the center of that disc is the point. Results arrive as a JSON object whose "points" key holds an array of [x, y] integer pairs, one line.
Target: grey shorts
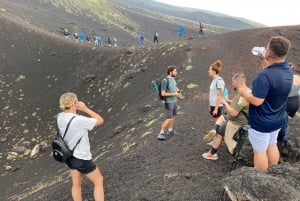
{"points": [[260, 141], [83, 166], [171, 110]]}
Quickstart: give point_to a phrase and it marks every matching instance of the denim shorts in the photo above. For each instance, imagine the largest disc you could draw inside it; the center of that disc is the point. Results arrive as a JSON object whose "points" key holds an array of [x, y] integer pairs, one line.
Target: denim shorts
{"points": [[83, 166], [260, 141], [171, 110]]}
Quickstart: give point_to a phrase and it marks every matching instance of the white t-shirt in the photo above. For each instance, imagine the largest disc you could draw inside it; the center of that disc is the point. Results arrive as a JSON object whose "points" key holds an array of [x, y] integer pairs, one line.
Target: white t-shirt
{"points": [[216, 84], [78, 128]]}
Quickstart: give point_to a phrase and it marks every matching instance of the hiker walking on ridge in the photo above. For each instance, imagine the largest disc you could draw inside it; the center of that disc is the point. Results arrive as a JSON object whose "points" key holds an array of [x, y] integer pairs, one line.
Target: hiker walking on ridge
{"points": [[200, 28], [170, 91], [66, 33], [109, 41], [99, 41], [114, 41], [81, 162], [76, 36], [88, 39], [155, 37], [81, 36], [180, 31], [141, 37]]}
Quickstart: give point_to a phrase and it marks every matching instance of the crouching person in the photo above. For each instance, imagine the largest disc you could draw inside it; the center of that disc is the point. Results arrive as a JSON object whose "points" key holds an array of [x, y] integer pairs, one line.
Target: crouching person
{"points": [[237, 116]]}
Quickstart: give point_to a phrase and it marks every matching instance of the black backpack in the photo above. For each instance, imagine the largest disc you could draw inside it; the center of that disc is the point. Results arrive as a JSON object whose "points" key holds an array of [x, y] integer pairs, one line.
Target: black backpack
{"points": [[60, 149]]}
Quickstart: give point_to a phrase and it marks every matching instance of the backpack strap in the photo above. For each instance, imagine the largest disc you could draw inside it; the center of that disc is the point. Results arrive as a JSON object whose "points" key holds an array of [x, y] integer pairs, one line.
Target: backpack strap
{"points": [[244, 113], [217, 82], [68, 127], [76, 144], [66, 133], [167, 87], [223, 88]]}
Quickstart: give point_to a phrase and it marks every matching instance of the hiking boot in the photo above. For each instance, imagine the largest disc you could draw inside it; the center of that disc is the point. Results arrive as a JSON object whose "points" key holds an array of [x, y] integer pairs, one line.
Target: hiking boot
{"points": [[209, 136], [172, 132], [210, 156], [161, 136]]}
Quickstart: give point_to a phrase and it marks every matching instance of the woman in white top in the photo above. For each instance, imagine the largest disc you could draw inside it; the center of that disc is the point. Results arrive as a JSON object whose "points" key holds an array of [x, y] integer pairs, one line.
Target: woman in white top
{"points": [[215, 97], [216, 89], [81, 162]]}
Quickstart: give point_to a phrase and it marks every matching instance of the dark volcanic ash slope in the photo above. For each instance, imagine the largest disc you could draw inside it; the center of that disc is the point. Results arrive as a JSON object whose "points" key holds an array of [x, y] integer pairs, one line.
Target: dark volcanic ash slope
{"points": [[37, 66]]}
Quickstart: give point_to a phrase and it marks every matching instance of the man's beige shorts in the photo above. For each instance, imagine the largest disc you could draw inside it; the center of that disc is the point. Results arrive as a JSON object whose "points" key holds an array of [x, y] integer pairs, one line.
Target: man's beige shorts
{"points": [[231, 129]]}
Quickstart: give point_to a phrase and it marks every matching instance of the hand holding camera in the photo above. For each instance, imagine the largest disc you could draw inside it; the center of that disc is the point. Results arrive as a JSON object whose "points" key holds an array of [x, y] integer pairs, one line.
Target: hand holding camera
{"points": [[179, 93]]}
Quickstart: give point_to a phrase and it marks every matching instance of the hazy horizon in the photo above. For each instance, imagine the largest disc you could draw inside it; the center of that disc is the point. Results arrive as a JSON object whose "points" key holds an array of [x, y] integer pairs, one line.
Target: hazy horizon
{"points": [[264, 12]]}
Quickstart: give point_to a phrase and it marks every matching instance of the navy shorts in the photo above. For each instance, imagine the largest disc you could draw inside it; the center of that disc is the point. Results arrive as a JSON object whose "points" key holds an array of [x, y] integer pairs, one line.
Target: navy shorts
{"points": [[83, 166]]}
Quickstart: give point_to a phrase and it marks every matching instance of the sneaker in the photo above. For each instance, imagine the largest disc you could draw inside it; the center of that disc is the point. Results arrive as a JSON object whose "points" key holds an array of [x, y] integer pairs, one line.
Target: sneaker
{"points": [[210, 156], [211, 143], [209, 136], [161, 136], [172, 132]]}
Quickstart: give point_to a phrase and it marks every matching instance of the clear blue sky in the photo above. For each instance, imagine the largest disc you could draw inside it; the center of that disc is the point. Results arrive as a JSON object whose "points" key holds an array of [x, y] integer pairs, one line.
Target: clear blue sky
{"points": [[268, 12]]}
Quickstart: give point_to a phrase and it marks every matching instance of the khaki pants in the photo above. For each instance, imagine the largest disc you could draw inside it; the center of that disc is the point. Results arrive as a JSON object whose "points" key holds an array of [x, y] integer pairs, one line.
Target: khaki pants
{"points": [[230, 130]]}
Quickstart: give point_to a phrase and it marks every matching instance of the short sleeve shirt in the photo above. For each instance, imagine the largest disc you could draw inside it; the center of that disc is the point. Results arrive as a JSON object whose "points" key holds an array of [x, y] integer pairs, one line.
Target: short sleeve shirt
{"points": [[273, 85], [78, 128], [172, 87], [216, 84], [239, 104]]}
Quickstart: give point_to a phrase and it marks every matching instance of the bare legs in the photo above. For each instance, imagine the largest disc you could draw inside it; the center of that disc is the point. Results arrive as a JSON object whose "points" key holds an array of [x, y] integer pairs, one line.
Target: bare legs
{"points": [[217, 141], [168, 123], [262, 159], [95, 177], [97, 180], [77, 178]]}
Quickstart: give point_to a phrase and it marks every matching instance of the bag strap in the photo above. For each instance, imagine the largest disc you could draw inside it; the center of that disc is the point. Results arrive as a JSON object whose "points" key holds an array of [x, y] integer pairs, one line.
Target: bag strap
{"points": [[66, 133], [224, 86], [76, 144], [217, 82], [68, 127], [244, 113], [167, 87]]}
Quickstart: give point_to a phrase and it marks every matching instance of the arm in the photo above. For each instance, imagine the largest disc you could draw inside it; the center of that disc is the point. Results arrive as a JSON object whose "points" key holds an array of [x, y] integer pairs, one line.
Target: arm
{"points": [[233, 112], [250, 98], [296, 80], [264, 62], [219, 99], [164, 93], [82, 107]]}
